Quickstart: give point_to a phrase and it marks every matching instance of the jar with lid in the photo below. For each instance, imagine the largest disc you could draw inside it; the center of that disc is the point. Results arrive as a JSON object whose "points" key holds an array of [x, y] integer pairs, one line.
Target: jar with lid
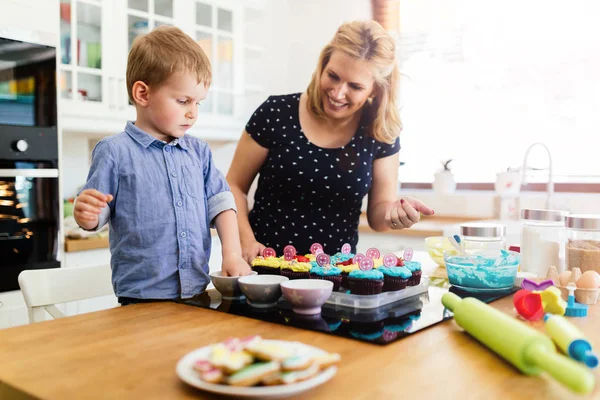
{"points": [[583, 242], [542, 240], [476, 236]]}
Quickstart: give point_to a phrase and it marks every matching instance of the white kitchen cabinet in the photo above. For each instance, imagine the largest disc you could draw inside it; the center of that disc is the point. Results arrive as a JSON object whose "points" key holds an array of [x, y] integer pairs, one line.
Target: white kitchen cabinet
{"points": [[92, 66], [88, 69]]}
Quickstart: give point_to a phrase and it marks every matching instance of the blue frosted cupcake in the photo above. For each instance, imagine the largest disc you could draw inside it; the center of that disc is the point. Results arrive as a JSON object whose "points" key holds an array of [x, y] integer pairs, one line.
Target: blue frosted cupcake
{"points": [[415, 269], [328, 273], [340, 257], [365, 282], [395, 278]]}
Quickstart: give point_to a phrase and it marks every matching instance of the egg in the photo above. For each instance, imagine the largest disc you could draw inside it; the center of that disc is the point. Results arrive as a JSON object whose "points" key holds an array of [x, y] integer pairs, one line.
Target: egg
{"points": [[564, 278], [589, 280]]}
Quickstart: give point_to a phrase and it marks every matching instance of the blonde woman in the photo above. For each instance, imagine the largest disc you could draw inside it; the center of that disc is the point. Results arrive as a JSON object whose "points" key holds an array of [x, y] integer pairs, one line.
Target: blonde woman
{"points": [[319, 153]]}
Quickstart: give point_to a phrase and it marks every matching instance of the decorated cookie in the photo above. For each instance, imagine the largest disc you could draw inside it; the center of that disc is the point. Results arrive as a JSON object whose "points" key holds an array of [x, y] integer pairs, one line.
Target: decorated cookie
{"points": [[237, 344], [208, 372], [253, 374], [229, 361], [327, 360], [269, 351], [296, 363], [297, 376]]}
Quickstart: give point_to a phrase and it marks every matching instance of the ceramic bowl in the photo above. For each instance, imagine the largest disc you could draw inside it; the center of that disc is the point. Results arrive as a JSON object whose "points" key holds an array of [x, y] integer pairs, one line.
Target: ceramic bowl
{"points": [[227, 285], [482, 270], [436, 245], [307, 295], [262, 291]]}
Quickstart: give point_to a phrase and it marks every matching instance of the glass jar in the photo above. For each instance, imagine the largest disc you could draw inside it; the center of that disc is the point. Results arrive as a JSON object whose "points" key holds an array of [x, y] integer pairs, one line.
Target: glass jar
{"points": [[542, 241], [583, 242], [483, 236]]}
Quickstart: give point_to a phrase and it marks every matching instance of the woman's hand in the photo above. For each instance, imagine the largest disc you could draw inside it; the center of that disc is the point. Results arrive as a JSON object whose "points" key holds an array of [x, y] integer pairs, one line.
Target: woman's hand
{"points": [[406, 212], [251, 249]]}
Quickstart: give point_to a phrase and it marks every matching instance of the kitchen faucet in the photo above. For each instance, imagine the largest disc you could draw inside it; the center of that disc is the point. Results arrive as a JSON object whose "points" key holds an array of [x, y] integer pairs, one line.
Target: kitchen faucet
{"points": [[550, 186]]}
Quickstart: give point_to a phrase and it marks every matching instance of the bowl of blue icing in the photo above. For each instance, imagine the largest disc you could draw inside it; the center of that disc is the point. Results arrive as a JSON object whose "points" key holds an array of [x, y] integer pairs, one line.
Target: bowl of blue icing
{"points": [[482, 269]]}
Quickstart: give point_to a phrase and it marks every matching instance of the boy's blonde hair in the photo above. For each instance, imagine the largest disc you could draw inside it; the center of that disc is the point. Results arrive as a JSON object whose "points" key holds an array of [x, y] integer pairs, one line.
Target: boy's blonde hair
{"points": [[365, 40], [166, 50]]}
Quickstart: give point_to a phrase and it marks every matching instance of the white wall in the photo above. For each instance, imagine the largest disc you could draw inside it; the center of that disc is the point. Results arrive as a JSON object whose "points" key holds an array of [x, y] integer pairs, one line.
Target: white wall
{"points": [[301, 28], [34, 20], [75, 163]]}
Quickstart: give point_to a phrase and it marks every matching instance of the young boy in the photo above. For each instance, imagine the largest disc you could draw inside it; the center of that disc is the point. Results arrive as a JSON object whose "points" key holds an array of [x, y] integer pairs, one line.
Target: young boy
{"points": [[158, 187]]}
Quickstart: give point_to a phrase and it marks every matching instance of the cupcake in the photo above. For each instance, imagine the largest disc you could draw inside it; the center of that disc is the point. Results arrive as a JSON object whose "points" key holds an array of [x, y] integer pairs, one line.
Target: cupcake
{"points": [[346, 268], [295, 269], [328, 273], [341, 257], [300, 258], [310, 257], [266, 265], [415, 269], [365, 282], [394, 278]]}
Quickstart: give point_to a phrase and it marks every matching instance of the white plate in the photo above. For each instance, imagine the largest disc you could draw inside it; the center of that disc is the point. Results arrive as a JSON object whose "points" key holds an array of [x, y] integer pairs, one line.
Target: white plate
{"points": [[186, 372]]}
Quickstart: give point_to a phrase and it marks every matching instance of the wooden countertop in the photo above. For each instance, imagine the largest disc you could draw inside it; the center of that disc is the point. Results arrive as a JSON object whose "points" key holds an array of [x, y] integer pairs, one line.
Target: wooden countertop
{"points": [[131, 352]]}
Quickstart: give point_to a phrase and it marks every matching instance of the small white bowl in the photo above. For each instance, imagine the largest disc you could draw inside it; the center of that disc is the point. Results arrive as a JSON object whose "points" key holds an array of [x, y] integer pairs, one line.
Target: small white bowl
{"points": [[262, 291], [307, 295], [227, 285]]}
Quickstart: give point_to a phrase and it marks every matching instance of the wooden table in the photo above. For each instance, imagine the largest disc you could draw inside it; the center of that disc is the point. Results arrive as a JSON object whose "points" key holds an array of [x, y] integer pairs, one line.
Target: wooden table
{"points": [[131, 352]]}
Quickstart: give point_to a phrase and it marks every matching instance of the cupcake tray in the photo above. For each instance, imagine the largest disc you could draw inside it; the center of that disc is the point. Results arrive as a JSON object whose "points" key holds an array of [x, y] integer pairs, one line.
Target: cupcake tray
{"points": [[344, 299]]}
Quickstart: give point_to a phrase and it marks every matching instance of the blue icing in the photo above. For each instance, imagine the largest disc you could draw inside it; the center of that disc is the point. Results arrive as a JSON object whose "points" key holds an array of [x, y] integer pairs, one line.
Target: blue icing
{"points": [[399, 327], [367, 336], [370, 274], [322, 271], [334, 325], [401, 272], [485, 274], [412, 265], [341, 257]]}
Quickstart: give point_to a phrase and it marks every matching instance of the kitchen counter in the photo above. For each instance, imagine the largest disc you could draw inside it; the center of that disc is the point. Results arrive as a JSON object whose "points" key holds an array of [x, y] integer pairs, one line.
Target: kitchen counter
{"points": [[427, 226], [131, 352]]}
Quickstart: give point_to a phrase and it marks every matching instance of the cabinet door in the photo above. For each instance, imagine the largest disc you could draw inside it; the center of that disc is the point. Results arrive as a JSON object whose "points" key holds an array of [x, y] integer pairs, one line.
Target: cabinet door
{"points": [[84, 61]]}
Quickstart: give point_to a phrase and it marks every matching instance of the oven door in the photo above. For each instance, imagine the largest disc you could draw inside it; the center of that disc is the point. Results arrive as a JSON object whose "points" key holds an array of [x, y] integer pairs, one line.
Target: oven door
{"points": [[29, 219]]}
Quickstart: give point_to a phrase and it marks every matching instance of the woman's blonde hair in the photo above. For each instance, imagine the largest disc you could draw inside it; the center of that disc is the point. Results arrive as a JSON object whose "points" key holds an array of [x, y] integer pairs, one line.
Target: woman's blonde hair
{"points": [[365, 40]]}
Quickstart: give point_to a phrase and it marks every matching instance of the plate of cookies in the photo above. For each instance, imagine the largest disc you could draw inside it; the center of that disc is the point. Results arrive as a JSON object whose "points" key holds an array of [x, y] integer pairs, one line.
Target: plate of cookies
{"points": [[254, 367]]}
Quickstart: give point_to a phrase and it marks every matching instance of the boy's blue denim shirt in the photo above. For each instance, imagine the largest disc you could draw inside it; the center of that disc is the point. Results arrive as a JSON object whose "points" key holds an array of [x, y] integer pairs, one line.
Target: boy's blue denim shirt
{"points": [[165, 198]]}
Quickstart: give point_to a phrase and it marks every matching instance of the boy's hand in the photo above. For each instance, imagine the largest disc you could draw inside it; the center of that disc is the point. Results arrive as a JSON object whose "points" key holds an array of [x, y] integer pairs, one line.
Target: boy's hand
{"points": [[235, 266], [88, 206]]}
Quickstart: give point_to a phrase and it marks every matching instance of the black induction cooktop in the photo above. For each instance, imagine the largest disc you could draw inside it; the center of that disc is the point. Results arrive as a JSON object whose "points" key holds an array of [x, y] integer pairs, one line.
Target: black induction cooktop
{"points": [[381, 325]]}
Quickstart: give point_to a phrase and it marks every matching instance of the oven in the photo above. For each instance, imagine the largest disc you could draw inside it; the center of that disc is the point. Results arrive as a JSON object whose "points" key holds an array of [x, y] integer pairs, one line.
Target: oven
{"points": [[29, 191]]}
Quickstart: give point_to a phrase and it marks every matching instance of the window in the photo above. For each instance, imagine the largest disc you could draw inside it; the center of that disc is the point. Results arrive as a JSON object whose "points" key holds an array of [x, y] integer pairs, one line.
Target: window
{"points": [[214, 28], [483, 80]]}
